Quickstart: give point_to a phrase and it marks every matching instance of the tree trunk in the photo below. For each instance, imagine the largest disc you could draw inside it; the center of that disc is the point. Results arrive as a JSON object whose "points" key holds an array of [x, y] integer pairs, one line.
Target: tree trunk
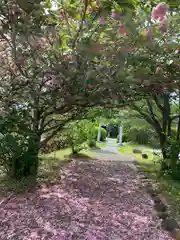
{"points": [[163, 144], [27, 164], [162, 138], [178, 127]]}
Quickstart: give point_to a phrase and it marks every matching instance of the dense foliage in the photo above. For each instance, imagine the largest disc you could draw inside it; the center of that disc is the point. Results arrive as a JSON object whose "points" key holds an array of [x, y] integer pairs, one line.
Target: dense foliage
{"points": [[56, 64], [79, 134]]}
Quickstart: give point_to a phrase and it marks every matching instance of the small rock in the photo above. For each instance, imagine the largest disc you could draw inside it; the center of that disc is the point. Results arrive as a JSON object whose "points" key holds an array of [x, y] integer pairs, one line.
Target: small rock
{"points": [[145, 156], [149, 189], [137, 151], [160, 207], [163, 215], [170, 224], [157, 199], [142, 176], [154, 194], [139, 169], [135, 162]]}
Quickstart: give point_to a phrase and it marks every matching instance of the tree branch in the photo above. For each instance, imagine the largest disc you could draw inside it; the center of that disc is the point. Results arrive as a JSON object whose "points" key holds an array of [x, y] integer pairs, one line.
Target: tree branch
{"points": [[157, 103], [152, 113], [156, 126], [58, 128]]}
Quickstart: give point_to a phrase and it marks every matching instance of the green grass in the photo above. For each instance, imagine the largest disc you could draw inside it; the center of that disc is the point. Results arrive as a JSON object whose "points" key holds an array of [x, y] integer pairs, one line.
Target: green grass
{"points": [[150, 165], [128, 149], [171, 190], [147, 164], [101, 144], [169, 187], [64, 154], [53, 162]]}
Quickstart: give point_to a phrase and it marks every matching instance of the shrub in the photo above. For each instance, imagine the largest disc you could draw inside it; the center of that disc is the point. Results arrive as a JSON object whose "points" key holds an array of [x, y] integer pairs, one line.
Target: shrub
{"points": [[125, 137], [60, 141], [139, 136], [103, 134], [92, 143], [80, 135], [173, 160], [12, 147]]}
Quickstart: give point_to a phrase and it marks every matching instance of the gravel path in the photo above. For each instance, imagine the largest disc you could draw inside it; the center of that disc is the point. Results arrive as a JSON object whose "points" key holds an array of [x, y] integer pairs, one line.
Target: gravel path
{"points": [[90, 200]]}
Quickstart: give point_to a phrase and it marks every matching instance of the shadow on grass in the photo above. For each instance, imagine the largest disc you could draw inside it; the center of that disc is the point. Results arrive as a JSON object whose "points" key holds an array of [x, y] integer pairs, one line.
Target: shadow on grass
{"points": [[51, 167], [8, 185], [80, 156], [49, 172]]}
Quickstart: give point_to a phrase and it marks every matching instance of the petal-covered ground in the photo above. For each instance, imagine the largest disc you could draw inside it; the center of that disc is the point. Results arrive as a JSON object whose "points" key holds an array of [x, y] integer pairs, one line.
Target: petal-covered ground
{"points": [[92, 200]]}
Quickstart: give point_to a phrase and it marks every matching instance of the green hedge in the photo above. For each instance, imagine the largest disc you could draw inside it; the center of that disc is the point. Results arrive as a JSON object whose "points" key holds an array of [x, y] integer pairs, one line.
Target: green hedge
{"points": [[139, 136], [103, 133]]}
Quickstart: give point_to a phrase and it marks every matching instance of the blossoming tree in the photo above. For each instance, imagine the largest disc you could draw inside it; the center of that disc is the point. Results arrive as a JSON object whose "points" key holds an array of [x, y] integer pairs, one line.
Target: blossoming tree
{"points": [[57, 63]]}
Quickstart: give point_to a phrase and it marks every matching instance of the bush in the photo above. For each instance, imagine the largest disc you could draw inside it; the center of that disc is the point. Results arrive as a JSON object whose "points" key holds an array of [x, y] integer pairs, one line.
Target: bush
{"points": [[17, 158], [60, 141], [103, 134], [92, 143], [139, 136], [80, 135], [173, 160], [125, 137]]}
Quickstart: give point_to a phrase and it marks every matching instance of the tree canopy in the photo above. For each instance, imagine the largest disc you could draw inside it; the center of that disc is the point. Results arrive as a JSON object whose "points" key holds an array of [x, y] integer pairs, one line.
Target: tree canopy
{"points": [[59, 58]]}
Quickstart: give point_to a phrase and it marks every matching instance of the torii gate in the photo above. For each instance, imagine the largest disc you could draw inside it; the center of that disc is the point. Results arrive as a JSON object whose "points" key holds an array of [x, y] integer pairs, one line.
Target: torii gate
{"points": [[120, 134]]}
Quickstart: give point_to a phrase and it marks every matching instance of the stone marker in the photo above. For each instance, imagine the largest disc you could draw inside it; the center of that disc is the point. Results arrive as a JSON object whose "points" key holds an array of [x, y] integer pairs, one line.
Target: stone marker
{"points": [[170, 224], [163, 215], [137, 151], [160, 207], [145, 156]]}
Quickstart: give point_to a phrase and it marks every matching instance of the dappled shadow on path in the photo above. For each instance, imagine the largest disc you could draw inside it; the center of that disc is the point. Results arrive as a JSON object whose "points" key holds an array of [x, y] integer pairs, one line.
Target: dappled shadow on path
{"points": [[90, 200]]}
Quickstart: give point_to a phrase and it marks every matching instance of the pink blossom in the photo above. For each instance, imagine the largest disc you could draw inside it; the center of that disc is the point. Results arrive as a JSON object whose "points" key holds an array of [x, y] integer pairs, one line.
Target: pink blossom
{"points": [[163, 25], [163, 7], [123, 31], [90, 9], [159, 12], [119, 208], [102, 20], [115, 14]]}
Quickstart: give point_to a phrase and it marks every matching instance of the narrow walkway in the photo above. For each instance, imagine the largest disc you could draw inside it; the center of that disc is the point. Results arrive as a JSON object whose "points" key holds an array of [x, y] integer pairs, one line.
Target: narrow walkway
{"points": [[110, 152], [88, 200]]}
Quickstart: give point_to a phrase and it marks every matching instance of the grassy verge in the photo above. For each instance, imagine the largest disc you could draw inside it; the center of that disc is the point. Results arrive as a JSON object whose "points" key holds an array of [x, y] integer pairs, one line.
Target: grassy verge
{"points": [[150, 165], [169, 187], [63, 154], [52, 163], [101, 144]]}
